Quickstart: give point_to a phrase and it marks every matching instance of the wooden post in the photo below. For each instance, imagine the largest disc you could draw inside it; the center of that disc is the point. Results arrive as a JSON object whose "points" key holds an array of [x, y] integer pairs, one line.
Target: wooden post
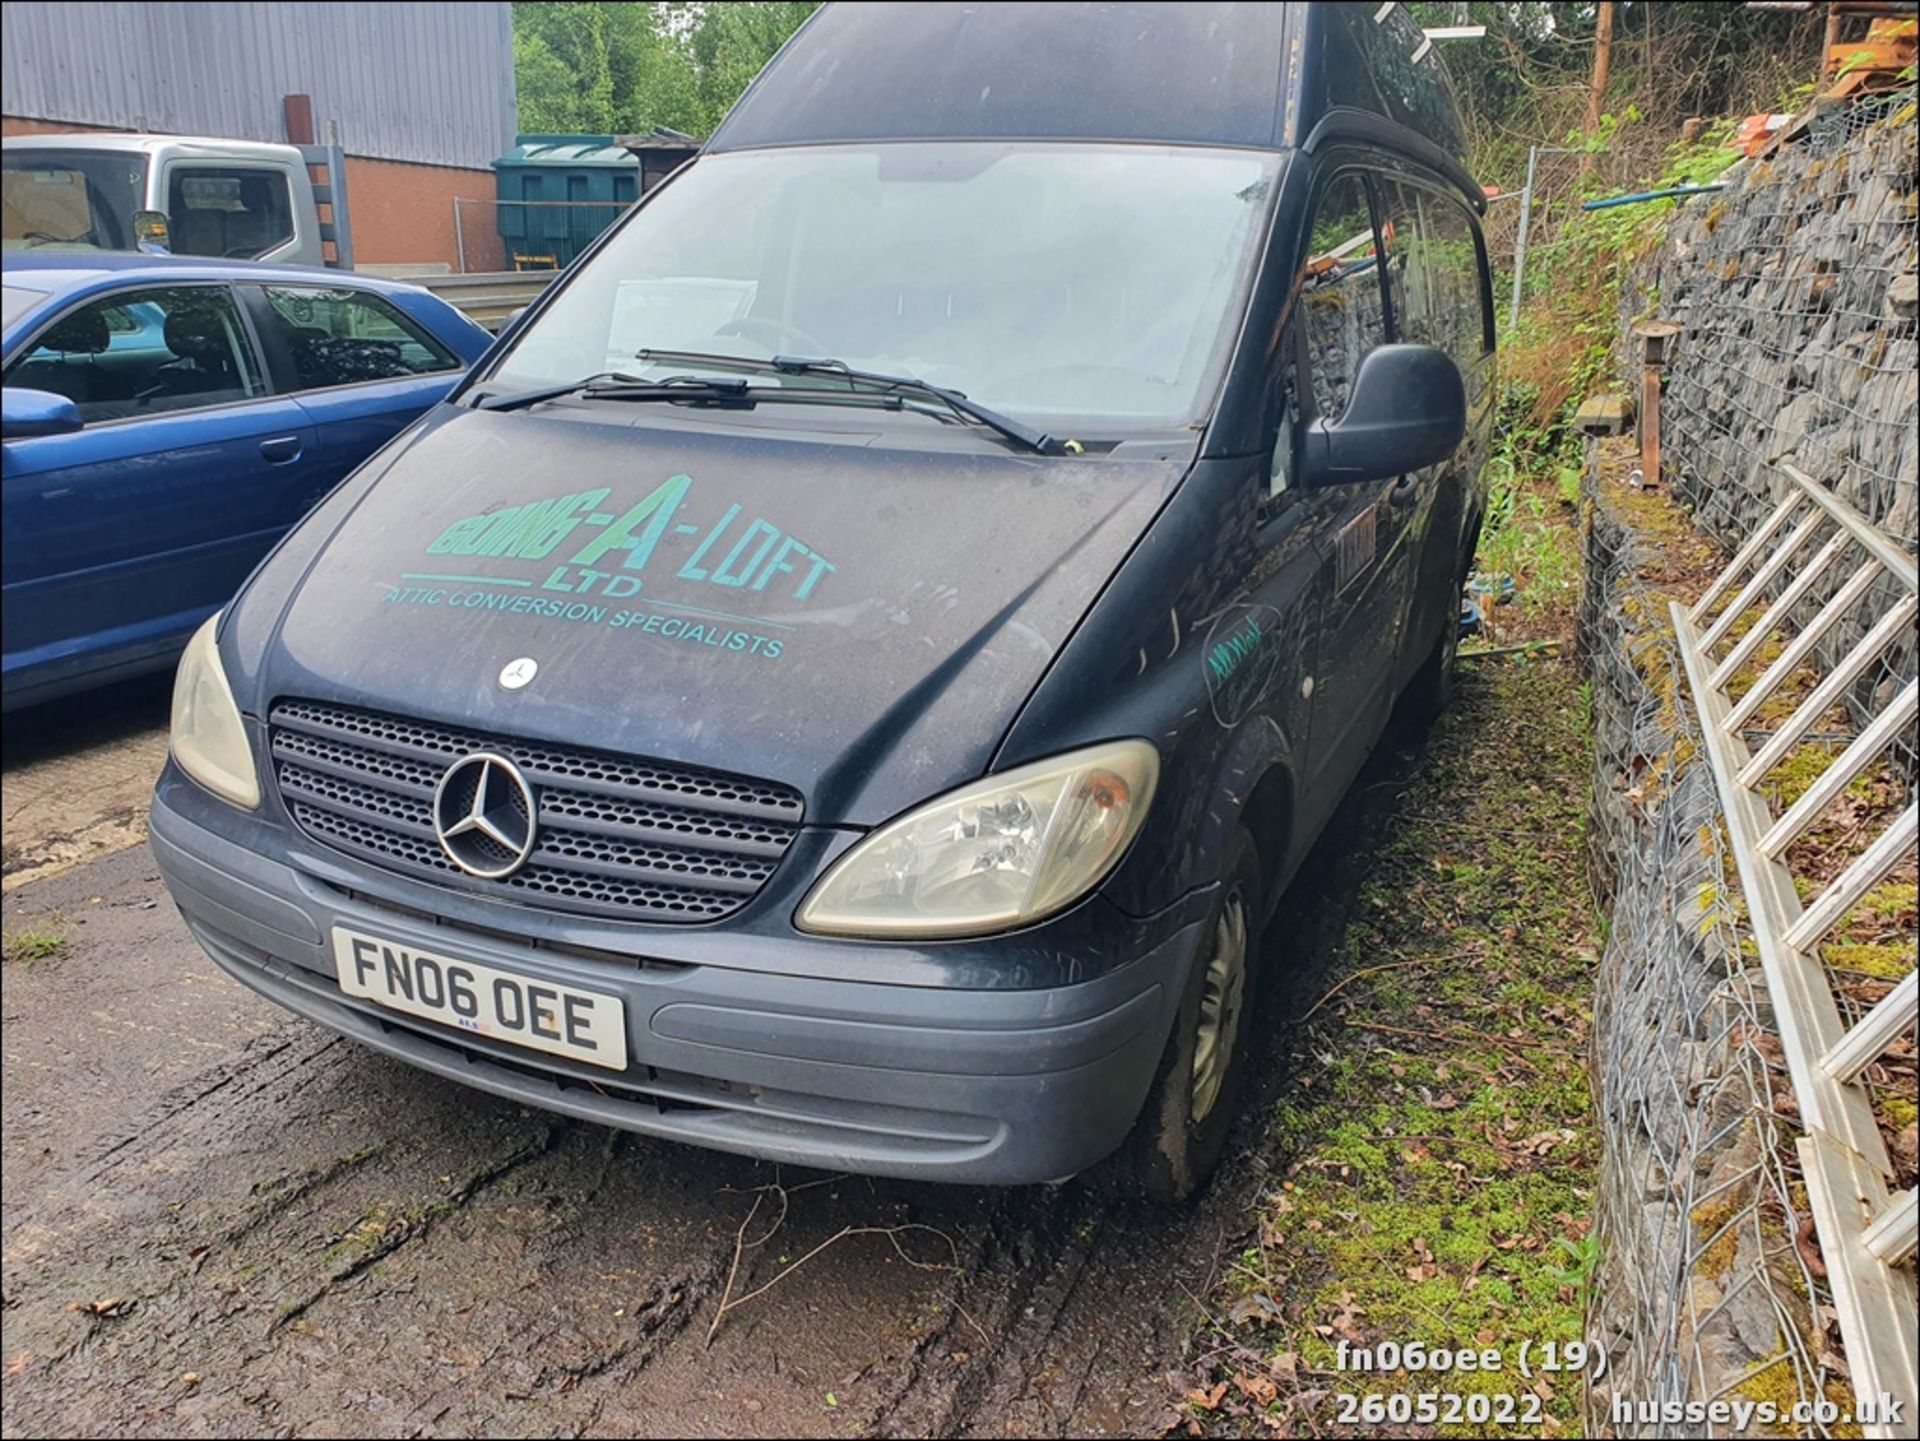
{"points": [[298, 113], [1654, 336], [1832, 39]]}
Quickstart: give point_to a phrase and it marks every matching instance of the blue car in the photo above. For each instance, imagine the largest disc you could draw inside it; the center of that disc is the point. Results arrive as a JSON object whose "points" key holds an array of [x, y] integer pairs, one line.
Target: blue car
{"points": [[165, 421]]}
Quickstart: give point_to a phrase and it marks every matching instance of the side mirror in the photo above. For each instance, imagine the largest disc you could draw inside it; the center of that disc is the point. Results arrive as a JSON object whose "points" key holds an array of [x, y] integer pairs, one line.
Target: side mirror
{"points": [[28, 413], [151, 235], [1407, 410]]}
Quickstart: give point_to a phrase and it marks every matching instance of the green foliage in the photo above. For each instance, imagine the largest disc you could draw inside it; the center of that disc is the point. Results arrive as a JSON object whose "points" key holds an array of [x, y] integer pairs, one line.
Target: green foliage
{"points": [[1527, 79], [34, 944], [1583, 1260], [595, 68]]}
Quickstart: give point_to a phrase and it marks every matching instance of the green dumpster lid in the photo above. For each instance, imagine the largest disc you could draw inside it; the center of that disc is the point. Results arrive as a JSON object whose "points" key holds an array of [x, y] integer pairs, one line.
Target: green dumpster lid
{"points": [[567, 151]]}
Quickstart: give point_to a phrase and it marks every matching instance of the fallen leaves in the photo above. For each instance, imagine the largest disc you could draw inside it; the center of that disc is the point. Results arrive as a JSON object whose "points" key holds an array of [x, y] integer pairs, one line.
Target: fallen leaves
{"points": [[1208, 1398], [116, 1306], [1424, 1269], [1257, 1388], [1257, 1307], [1344, 1321]]}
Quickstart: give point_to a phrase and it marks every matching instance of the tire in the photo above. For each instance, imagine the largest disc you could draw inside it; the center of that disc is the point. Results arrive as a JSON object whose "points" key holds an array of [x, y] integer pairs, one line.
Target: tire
{"points": [[1430, 692], [1181, 1133]]}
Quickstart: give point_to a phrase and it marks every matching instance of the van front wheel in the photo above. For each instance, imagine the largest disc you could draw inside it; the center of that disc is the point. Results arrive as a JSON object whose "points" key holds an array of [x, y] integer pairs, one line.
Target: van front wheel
{"points": [[1430, 692], [1182, 1131]]}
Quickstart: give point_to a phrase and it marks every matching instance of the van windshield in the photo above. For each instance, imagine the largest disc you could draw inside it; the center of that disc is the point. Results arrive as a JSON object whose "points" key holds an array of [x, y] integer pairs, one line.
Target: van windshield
{"points": [[70, 199], [1050, 282]]}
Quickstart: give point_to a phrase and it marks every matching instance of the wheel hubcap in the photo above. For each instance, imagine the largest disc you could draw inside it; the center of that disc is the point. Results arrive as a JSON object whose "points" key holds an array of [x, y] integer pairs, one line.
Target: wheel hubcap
{"points": [[1222, 997]]}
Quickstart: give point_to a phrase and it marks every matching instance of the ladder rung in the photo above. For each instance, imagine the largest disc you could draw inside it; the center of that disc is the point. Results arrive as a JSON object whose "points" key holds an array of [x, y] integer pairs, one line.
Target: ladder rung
{"points": [[1745, 555], [1898, 562], [1762, 578], [1828, 693], [1892, 1237], [1779, 610], [1803, 644], [1867, 1042], [1860, 876], [1837, 777]]}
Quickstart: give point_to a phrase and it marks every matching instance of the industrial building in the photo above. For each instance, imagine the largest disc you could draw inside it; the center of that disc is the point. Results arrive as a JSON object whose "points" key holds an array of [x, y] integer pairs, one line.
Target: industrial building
{"points": [[420, 95]]}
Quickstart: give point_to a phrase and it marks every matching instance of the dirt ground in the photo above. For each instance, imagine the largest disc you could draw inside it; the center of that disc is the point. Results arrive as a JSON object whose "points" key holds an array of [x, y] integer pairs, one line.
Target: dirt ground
{"points": [[78, 774], [220, 1220]]}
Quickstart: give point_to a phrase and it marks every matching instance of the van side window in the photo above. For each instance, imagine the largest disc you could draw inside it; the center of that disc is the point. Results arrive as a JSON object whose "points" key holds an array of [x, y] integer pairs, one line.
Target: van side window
{"points": [[1434, 276], [1342, 310], [234, 213]]}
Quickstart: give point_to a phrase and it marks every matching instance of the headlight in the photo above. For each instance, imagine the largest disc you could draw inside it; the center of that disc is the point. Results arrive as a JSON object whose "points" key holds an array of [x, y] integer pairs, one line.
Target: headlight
{"points": [[996, 854], [208, 739]]}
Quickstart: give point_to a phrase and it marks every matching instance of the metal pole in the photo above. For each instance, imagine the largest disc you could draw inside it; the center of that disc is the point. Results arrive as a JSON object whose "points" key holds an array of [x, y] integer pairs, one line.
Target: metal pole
{"points": [[459, 235], [1520, 240]]}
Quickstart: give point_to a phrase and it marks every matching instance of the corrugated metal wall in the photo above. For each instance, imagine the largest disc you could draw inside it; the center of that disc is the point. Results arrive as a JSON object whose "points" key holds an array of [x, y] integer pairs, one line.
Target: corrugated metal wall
{"points": [[431, 83]]}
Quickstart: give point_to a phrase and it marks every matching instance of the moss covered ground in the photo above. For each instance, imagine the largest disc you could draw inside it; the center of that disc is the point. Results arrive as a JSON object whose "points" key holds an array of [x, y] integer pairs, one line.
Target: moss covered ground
{"points": [[1435, 1148]]}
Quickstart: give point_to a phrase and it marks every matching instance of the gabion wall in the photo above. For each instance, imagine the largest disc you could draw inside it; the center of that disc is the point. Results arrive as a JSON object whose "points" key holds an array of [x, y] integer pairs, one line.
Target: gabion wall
{"points": [[1701, 1292], [1795, 290], [1798, 293]]}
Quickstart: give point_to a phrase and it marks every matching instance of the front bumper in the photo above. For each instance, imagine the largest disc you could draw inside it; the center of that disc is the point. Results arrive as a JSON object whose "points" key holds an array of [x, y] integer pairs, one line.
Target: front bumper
{"points": [[1000, 1086]]}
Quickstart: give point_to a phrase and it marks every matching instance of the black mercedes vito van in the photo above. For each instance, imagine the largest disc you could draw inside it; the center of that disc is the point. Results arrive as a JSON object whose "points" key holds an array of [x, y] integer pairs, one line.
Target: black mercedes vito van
{"points": [[850, 674]]}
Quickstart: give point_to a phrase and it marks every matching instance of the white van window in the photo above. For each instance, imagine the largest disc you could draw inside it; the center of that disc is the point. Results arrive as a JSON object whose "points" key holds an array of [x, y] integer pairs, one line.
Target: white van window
{"points": [[1084, 281], [70, 199], [234, 213]]}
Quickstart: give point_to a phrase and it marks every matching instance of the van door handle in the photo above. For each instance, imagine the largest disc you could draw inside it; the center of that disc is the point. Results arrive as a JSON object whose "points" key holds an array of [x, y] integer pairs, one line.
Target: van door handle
{"points": [[281, 449]]}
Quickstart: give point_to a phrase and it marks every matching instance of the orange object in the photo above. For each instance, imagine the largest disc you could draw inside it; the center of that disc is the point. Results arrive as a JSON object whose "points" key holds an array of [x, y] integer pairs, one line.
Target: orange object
{"points": [[1888, 48], [1756, 130]]}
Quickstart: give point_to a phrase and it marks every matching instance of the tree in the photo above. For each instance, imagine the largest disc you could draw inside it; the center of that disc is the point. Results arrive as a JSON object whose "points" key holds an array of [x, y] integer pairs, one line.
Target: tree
{"points": [[611, 69], [1602, 63], [562, 68]]}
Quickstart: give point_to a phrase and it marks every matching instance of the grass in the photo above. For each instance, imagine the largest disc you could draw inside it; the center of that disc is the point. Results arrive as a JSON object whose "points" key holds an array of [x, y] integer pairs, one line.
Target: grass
{"points": [[1531, 534], [48, 940], [1439, 1146]]}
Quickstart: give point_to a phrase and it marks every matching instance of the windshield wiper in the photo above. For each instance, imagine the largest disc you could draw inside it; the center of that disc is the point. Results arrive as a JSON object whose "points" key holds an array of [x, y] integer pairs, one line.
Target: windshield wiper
{"points": [[618, 385], [871, 382]]}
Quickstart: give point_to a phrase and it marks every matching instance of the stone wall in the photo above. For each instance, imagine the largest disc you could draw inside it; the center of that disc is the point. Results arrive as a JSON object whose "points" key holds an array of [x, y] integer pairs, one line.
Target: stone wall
{"points": [[1797, 292], [1695, 1296]]}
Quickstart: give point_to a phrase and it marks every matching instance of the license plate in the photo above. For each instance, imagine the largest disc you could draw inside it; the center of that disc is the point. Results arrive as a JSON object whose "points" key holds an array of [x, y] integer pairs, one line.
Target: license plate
{"points": [[542, 1015]]}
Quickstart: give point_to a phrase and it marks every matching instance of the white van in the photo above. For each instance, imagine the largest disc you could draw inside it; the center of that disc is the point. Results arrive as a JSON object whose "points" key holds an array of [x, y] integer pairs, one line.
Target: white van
{"points": [[229, 199]]}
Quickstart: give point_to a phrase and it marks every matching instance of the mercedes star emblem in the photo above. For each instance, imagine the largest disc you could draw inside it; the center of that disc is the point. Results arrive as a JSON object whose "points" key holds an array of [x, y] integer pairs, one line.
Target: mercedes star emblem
{"points": [[484, 815], [516, 673]]}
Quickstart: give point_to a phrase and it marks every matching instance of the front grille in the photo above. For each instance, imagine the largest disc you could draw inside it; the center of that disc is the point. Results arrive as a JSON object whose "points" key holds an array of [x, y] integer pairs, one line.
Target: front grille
{"points": [[635, 839]]}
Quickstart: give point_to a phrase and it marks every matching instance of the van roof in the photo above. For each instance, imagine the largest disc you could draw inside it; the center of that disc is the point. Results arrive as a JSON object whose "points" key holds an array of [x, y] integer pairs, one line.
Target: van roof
{"points": [[154, 144], [1205, 72]]}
